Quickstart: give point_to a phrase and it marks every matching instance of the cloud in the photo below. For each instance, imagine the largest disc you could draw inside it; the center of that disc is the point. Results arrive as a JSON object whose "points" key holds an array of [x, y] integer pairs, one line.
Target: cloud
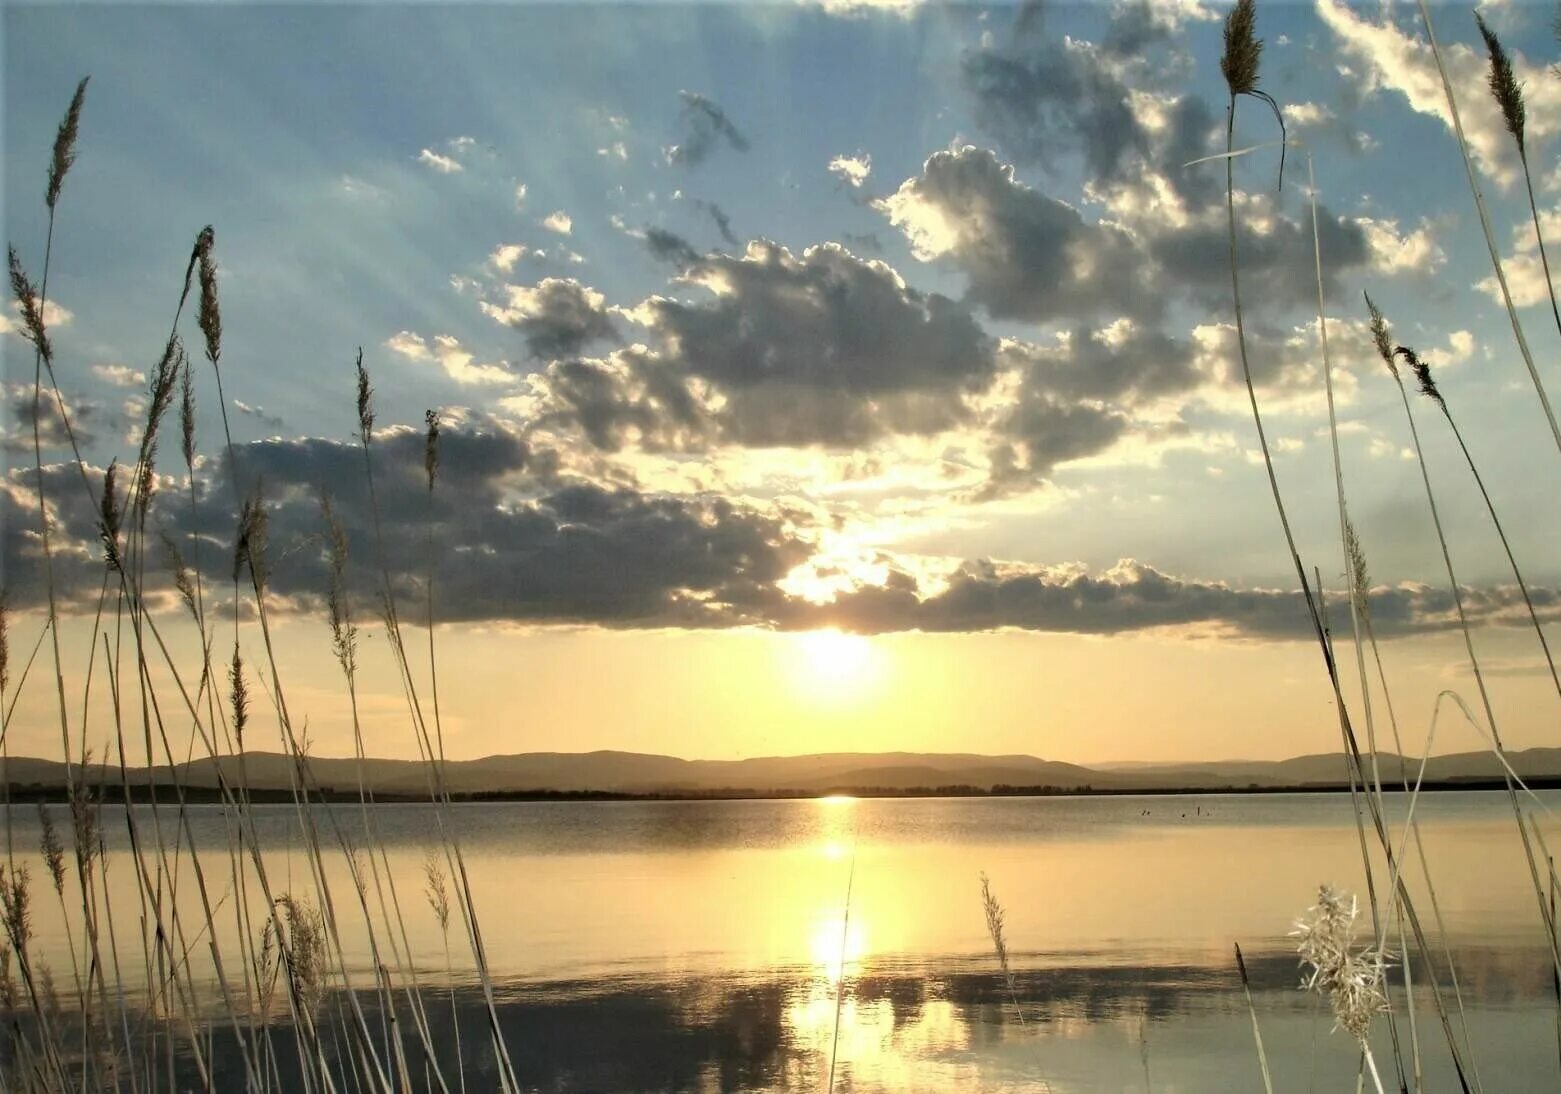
{"points": [[1027, 256], [823, 347], [445, 165], [505, 255], [852, 170], [723, 223], [55, 316], [1387, 58], [447, 352], [857, 9], [260, 414], [705, 127], [558, 221], [52, 433], [1522, 265], [1133, 596], [119, 375], [520, 194], [558, 316]]}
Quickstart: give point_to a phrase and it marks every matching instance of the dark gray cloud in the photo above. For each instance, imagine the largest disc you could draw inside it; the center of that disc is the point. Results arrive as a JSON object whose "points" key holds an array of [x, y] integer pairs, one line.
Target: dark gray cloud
{"points": [[558, 316], [571, 552], [823, 348], [1042, 97], [1026, 255], [670, 247], [705, 127], [1133, 596], [18, 437], [723, 223], [632, 397], [1123, 363], [1277, 263]]}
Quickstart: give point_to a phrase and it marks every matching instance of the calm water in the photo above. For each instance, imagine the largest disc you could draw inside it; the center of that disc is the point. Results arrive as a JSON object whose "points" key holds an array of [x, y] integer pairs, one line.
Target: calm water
{"points": [[700, 945]]}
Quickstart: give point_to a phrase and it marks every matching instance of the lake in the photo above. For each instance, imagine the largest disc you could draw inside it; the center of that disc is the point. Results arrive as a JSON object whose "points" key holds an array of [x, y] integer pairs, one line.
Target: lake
{"points": [[702, 945]]}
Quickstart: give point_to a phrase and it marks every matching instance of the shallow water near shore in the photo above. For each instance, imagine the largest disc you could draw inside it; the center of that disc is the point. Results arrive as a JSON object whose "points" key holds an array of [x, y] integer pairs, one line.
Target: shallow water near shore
{"points": [[702, 945]]}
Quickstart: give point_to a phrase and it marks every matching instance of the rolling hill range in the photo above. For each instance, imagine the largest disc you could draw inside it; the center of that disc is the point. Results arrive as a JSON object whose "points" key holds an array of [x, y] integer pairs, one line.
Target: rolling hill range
{"points": [[640, 773]]}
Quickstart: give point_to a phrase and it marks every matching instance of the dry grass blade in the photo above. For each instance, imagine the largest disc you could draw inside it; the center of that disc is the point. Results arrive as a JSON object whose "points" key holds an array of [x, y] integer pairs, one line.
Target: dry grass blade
{"points": [[5, 645], [1257, 1033], [65, 145]]}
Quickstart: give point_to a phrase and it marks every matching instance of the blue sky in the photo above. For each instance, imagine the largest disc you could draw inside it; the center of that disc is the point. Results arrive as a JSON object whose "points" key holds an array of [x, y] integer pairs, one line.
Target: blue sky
{"points": [[411, 179]]}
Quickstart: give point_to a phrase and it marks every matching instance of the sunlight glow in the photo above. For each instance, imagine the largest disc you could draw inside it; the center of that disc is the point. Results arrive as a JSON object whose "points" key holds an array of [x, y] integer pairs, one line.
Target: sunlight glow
{"points": [[834, 666]]}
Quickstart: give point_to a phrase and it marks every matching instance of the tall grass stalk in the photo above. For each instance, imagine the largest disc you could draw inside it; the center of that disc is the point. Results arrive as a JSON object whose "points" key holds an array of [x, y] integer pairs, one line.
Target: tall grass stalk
{"points": [[1428, 387], [1508, 93], [1257, 1032], [1485, 224], [1239, 64], [1383, 345]]}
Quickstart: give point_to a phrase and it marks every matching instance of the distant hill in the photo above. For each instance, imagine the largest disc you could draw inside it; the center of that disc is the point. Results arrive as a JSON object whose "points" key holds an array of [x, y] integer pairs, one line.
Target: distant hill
{"points": [[640, 773]]}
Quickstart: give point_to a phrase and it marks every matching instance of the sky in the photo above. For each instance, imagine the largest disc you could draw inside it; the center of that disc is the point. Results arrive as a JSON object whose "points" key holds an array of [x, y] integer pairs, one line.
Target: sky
{"points": [[811, 376]]}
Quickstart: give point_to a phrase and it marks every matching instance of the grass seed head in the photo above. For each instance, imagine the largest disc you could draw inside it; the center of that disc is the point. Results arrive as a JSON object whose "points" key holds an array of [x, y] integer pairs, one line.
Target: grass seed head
{"points": [[1423, 376], [65, 145], [1504, 85], [210, 315], [32, 307]]}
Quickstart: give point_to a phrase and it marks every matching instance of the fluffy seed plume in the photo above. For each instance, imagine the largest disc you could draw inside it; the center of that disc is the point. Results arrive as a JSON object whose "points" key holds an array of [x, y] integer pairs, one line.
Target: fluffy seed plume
{"points": [[210, 317], [65, 145], [434, 889], [5, 646], [249, 547], [344, 632], [187, 418], [1379, 337], [51, 847], [173, 557], [1352, 980], [238, 696], [1504, 85], [1243, 49], [1240, 63], [108, 516], [431, 447], [84, 818], [365, 402], [1422, 373], [1360, 577], [159, 398], [16, 906], [32, 307]]}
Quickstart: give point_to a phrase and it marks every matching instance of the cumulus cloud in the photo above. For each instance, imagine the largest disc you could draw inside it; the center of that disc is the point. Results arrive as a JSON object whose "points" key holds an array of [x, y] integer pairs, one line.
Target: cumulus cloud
{"points": [[557, 316], [558, 221], [823, 347], [1027, 255], [705, 127]]}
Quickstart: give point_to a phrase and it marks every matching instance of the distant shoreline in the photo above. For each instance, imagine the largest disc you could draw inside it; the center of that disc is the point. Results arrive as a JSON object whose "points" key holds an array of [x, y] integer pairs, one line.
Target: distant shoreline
{"points": [[167, 793]]}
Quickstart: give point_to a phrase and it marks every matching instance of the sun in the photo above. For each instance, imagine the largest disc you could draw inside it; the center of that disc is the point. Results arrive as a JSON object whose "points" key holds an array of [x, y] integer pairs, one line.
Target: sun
{"points": [[834, 665]]}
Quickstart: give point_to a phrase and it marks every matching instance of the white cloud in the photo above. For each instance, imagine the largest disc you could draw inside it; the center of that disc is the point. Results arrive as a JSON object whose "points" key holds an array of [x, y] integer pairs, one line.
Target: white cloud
{"points": [[1390, 59], [558, 221], [1393, 253], [54, 317], [446, 350], [520, 194], [443, 164], [1303, 114], [855, 9], [852, 169], [119, 375], [1525, 272], [505, 255], [617, 150]]}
